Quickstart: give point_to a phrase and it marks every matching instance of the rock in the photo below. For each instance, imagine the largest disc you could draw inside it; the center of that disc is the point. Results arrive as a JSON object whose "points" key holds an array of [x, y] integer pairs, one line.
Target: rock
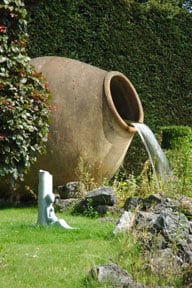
{"points": [[142, 203], [131, 203], [73, 189], [146, 220], [63, 204], [125, 223], [174, 225], [151, 201], [164, 262], [104, 196], [113, 275], [185, 251]]}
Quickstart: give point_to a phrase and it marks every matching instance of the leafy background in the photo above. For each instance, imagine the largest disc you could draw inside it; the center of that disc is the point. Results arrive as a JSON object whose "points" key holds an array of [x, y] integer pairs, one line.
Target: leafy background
{"points": [[150, 44]]}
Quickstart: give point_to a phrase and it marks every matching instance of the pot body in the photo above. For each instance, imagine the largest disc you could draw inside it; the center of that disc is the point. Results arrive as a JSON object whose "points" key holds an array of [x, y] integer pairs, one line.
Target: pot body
{"points": [[90, 121]]}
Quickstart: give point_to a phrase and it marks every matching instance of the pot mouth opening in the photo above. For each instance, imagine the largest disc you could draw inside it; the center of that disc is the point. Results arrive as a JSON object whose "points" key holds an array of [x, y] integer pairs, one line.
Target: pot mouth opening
{"points": [[123, 100]]}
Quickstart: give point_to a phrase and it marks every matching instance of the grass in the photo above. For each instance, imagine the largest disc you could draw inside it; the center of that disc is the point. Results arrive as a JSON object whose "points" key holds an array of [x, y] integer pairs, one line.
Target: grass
{"points": [[32, 256]]}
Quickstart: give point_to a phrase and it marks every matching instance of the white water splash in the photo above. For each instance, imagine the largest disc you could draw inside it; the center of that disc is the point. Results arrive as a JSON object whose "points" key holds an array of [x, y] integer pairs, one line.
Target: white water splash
{"points": [[156, 155]]}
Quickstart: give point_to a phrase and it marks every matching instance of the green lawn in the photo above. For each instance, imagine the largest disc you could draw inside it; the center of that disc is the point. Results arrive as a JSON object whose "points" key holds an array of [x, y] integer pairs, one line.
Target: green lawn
{"points": [[32, 256], [43, 257]]}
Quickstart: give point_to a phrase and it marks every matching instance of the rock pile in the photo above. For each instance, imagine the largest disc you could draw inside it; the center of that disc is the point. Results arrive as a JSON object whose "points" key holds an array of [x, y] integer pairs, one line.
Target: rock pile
{"points": [[164, 225], [100, 199], [167, 222]]}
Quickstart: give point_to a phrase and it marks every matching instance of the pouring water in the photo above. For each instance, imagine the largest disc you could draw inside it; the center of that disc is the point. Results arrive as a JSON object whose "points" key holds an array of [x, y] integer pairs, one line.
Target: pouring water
{"points": [[158, 160]]}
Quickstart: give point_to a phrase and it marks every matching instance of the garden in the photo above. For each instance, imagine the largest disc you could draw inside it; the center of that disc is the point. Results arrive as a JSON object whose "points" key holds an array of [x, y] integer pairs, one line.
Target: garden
{"points": [[34, 255]]}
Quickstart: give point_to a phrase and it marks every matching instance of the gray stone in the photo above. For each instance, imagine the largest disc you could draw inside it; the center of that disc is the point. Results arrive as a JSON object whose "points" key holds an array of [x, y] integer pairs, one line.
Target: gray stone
{"points": [[161, 224], [173, 225], [131, 203], [102, 196], [142, 203], [73, 189], [111, 274], [146, 220], [125, 223], [65, 204], [95, 198], [164, 262]]}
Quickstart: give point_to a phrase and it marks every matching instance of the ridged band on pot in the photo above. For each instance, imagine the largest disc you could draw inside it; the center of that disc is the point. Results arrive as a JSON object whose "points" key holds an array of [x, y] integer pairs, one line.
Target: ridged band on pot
{"points": [[91, 122]]}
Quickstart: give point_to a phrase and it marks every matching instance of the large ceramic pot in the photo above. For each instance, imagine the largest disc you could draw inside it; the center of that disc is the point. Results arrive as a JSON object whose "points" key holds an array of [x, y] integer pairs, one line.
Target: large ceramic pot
{"points": [[91, 122]]}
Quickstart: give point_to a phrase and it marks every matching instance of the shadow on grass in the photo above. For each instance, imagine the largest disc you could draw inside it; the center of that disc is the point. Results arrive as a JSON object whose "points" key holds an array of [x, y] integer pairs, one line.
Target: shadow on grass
{"points": [[6, 204]]}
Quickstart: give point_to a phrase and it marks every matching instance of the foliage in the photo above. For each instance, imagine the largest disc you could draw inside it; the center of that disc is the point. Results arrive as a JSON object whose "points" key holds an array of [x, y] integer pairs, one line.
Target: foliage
{"points": [[177, 144], [169, 7], [90, 211], [124, 186], [24, 95], [177, 137], [177, 140], [83, 172]]}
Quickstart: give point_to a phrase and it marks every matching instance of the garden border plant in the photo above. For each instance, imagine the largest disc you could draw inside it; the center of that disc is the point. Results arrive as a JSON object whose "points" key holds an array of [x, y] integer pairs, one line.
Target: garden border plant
{"points": [[177, 144], [24, 97]]}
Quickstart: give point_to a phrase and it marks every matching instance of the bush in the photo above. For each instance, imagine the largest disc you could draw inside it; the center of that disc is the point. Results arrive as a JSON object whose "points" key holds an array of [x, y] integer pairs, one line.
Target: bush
{"points": [[24, 114], [177, 137], [177, 140]]}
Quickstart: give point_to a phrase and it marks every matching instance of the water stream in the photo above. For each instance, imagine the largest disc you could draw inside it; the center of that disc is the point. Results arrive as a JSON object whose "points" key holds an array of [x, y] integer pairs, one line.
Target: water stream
{"points": [[158, 160]]}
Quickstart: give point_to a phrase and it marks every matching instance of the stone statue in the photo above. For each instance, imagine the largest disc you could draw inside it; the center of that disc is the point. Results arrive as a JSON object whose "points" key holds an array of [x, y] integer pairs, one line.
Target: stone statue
{"points": [[46, 213]]}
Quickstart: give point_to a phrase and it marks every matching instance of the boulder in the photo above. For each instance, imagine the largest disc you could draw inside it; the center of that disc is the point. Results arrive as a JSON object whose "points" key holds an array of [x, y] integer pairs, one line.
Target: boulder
{"points": [[125, 223], [113, 275], [97, 199], [70, 190]]}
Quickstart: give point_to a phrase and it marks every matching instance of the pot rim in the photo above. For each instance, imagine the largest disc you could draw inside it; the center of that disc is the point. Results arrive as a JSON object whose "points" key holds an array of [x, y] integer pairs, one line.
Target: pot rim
{"points": [[132, 95]]}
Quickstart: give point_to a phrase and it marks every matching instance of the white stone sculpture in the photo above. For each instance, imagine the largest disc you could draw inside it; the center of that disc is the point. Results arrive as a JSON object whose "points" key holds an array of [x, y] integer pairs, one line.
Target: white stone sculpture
{"points": [[46, 213]]}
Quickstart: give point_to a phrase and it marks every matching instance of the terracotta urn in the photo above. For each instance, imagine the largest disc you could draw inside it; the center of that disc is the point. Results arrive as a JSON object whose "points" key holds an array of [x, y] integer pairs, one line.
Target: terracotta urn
{"points": [[91, 122]]}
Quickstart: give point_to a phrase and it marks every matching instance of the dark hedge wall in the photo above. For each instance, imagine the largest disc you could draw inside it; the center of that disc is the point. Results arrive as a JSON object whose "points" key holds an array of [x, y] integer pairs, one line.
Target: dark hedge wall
{"points": [[152, 47]]}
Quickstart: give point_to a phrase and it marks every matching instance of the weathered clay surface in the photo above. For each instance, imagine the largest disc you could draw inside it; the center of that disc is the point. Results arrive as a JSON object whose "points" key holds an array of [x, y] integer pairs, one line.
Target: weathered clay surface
{"points": [[89, 124]]}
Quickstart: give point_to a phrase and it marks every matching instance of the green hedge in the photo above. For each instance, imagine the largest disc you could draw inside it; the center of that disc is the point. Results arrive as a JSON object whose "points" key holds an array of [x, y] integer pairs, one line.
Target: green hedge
{"points": [[150, 46], [177, 140], [177, 137]]}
